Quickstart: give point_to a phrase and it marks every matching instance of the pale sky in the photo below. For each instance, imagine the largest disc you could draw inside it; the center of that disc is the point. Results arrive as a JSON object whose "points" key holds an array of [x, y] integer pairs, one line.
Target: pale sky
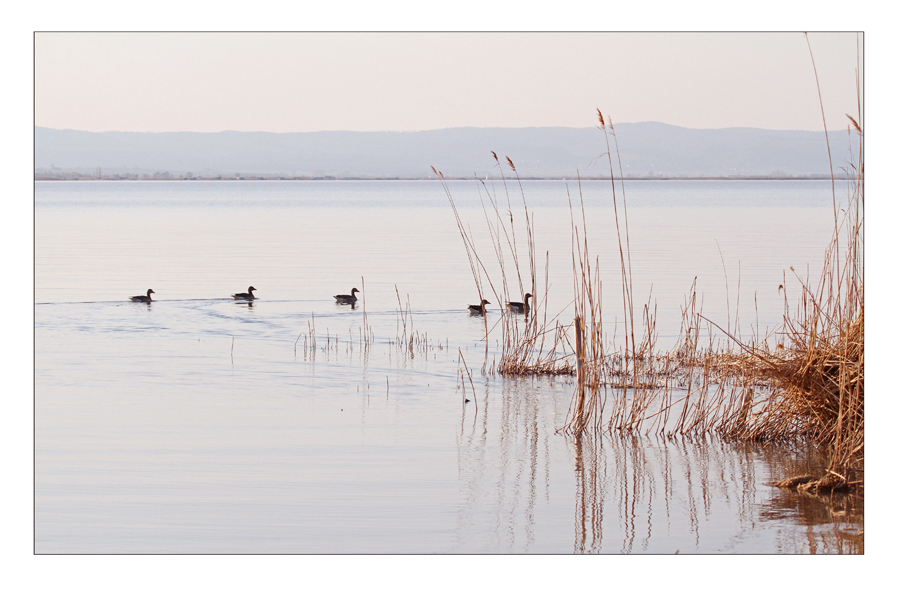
{"points": [[283, 82]]}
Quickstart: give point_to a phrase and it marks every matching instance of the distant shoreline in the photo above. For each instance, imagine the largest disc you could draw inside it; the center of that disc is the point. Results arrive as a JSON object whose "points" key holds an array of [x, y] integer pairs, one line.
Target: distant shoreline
{"points": [[395, 178]]}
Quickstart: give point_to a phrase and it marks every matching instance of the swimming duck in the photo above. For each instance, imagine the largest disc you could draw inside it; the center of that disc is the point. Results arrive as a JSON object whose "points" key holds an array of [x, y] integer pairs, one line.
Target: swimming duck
{"points": [[478, 309], [519, 307], [143, 298], [347, 299], [248, 296]]}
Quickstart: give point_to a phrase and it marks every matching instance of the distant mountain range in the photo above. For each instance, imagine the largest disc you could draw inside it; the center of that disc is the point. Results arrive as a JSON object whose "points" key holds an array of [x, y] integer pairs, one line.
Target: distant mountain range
{"points": [[645, 149]]}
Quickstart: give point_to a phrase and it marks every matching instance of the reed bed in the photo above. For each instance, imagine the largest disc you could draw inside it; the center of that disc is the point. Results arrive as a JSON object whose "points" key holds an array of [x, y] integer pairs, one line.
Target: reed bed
{"points": [[808, 386], [800, 383]]}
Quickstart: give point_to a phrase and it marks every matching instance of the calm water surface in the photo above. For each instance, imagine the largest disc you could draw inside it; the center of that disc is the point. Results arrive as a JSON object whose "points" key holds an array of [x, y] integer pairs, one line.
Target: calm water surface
{"points": [[199, 424]]}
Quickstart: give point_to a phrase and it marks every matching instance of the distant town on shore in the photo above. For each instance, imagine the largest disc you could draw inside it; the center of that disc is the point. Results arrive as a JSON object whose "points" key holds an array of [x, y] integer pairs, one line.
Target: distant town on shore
{"points": [[164, 176]]}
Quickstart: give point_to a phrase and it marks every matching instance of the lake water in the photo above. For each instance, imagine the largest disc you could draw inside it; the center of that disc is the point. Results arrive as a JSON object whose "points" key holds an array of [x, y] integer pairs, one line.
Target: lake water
{"points": [[198, 424]]}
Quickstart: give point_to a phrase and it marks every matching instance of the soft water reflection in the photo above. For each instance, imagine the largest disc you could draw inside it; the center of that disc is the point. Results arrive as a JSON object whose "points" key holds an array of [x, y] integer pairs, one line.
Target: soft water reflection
{"points": [[638, 495], [507, 462], [632, 494], [328, 445], [289, 424], [828, 524]]}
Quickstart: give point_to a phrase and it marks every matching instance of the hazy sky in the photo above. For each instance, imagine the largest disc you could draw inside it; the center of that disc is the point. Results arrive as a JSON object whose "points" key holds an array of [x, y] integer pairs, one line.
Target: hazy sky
{"points": [[413, 81]]}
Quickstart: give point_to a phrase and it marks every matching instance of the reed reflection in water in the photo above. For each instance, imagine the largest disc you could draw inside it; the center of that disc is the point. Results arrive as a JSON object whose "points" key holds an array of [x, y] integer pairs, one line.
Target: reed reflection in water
{"points": [[638, 494], [513, 468], [632, 493]]}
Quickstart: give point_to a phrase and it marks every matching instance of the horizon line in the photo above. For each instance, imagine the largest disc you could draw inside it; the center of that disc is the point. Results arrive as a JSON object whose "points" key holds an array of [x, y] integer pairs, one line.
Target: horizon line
{"points": [[36, 126]]}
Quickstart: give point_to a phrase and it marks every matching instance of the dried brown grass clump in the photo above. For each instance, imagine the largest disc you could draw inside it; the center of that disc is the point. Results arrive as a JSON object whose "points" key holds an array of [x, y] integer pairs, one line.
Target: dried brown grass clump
{"points": [[821, 379]]}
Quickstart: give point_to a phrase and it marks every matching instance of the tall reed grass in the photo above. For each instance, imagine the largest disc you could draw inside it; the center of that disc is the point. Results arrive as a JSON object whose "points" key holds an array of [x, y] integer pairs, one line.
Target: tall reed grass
{"points": [[803, 382], [538, 344], [807, 387]]}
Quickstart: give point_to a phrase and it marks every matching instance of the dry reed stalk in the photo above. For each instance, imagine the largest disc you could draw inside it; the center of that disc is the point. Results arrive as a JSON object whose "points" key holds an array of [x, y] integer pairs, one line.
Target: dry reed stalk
{"points": [[467, 373], [367, 340], [475, 263], [579, 368], [631, 367], [311, 325]]}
